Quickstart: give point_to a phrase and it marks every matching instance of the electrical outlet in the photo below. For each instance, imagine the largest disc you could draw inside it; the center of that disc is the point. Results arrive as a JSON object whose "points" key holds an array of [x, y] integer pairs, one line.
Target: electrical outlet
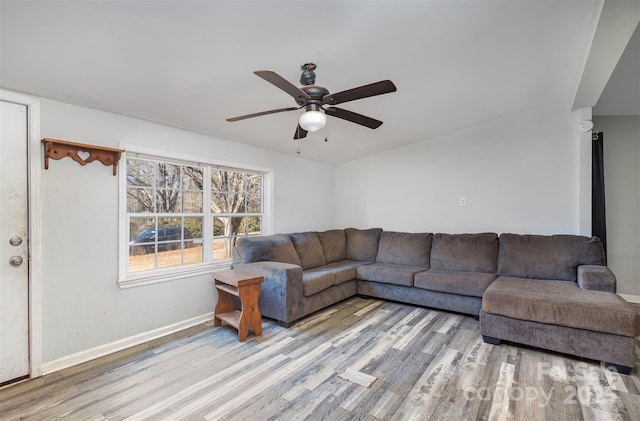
{"points": [[463, 201]]}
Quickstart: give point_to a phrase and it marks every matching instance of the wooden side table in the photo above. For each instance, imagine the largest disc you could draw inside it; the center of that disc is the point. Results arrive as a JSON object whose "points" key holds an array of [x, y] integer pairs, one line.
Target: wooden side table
{"points": [[246, 286]]}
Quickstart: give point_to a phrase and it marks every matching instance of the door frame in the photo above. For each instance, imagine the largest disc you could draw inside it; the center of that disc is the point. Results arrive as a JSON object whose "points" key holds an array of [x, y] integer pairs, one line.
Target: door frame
{"points": [[34, 182]]}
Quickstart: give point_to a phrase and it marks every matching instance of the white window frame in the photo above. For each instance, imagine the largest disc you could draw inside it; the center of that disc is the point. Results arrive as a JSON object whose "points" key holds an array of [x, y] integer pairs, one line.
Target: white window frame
{"points": [[128, 280]]}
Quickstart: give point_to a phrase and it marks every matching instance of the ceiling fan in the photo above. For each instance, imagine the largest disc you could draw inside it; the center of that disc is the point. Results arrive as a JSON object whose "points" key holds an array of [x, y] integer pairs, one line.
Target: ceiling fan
{"points": [[318, 102]]}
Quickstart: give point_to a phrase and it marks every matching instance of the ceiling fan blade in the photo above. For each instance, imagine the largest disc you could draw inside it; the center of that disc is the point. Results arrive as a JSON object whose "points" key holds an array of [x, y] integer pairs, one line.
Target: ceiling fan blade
{"points": [[363, 120], [279, 110], [270, 76], [365, 91], [300, 133]]}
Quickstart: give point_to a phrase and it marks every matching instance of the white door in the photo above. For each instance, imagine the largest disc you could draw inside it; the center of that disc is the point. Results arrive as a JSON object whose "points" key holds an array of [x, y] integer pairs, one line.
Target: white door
{"points": [[14, 262]]}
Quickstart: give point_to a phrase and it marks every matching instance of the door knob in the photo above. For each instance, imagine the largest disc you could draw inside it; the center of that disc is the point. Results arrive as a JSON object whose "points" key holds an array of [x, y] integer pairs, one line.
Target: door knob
{"points": [[15, 261], [15, 241]]}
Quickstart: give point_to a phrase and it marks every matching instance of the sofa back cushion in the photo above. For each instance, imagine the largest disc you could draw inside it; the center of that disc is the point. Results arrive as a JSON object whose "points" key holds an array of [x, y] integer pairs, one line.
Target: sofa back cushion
{"points": [[309, 250], [334, 245], [465, 252], [271, 248], [404, 248], [554, 257], [362, 245]]}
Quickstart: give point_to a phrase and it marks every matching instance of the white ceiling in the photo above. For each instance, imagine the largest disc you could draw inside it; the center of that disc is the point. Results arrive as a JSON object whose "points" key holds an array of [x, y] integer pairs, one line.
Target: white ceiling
{"points": [[189, 64]]}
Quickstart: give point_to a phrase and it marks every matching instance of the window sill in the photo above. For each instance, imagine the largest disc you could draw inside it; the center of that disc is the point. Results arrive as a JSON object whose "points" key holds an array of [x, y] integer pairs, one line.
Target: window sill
{"points": [[170, 274]]}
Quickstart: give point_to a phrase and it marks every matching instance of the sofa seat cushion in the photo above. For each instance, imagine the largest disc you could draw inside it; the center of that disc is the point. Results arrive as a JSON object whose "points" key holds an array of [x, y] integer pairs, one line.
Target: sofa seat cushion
{"points": [[309, 250], [454, 282], [389, 273], [561, 303], [316, 280], [343, 271], [404, 248]]}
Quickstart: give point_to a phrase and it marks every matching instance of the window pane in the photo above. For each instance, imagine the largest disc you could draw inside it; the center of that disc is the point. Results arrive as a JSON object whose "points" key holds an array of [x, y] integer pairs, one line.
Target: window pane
{"points": [[141, 248], [140, 200], [219, 181], [168, 201], [221, 226], [237, 203], [219, 203], [192, 202], [221, 249], [168, 175], [254, 183], [139, 226], [169, 254], [140, 173], [169, 230], [254, 227], [193, 252], [138, 263], [192, 178], [253, 204], [236, 182], [169, 223], [193, 229], [192, 244], [238, 225]]}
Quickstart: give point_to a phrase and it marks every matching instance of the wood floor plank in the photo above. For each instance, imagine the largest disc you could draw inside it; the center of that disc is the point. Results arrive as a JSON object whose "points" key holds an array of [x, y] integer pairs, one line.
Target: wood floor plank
{"points": [[500, 401], [429, 365]]}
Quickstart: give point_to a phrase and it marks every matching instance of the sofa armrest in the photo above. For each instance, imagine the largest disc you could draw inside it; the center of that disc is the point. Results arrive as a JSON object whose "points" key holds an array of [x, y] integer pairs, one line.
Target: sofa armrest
{"points": [[281, 293], [599, 278]]}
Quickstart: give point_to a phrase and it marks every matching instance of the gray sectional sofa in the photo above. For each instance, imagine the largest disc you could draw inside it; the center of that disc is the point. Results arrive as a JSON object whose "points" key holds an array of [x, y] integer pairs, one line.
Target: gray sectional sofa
{"points": [[552, 292]]}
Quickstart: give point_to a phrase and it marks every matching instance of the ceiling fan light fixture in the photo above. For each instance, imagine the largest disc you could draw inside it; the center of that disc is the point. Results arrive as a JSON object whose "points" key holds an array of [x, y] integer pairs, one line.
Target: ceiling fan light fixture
{"points": [[312, 121]]}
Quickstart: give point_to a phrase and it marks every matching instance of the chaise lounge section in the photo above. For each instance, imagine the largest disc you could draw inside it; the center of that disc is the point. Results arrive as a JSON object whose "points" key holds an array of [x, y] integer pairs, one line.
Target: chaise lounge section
{"points": [[553, 292]]}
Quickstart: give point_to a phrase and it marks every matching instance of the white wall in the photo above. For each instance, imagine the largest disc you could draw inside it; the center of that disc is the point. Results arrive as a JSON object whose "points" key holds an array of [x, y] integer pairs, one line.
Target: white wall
{"points": [[518, 174], [622, 195], [82, 306]]}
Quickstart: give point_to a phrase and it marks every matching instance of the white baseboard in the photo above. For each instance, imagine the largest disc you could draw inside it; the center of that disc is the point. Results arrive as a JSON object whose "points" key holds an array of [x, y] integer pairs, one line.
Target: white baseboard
{"points": [[102, 350], [631, 298]]}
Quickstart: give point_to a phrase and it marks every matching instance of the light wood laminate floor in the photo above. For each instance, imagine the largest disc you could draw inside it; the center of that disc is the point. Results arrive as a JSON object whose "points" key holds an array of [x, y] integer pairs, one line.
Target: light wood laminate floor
{"points": [[429, 365]]}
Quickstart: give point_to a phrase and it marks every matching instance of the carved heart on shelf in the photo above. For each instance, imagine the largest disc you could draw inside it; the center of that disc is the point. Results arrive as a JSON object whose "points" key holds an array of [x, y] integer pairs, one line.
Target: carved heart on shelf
{"points": [[83, 155]]}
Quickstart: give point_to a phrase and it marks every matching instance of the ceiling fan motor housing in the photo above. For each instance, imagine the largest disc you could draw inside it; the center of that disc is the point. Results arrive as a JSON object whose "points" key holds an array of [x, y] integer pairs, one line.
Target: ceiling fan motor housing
{"points": [[316, 93]]}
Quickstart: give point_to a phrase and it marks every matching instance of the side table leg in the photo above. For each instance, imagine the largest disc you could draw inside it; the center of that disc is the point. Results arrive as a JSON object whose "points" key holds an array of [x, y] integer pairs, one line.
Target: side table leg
{"points": [[256, 317], [250, 316]]}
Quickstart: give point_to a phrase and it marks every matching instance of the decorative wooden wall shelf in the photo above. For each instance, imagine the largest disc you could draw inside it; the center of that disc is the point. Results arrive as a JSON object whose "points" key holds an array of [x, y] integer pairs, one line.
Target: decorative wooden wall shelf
{"points": [[58, 149]]}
